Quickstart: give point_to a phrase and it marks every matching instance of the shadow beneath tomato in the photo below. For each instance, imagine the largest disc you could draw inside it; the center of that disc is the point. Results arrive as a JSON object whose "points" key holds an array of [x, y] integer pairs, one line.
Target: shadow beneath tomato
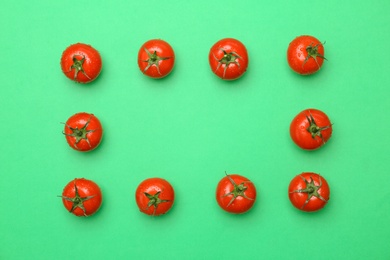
{"points": [[159, 82], [326, 148], [99, 147], [307, 79], [101, 209], [93, 152], [309, 215], [91, 83], [164, 217], [235, 83], [96, 215], [99, 78], [252, 213]]}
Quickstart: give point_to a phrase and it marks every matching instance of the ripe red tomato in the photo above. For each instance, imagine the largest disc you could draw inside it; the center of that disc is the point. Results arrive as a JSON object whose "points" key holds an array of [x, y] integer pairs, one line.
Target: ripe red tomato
{"points": [[310, 129], [81, 62], [228, 59], [155, 196], [82, 197], [305, 54], [308, 191], [83, 132], [235, 193], [156, 58]]}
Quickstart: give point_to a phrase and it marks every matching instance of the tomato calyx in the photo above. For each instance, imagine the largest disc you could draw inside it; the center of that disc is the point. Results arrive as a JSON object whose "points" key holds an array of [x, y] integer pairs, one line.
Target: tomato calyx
{"points": [[80, 134], [153, 60], [77, 201], [311, 189], [227, 59], [154, 201], [238, 190], [312, 52], [78, 67], [314, 129]]}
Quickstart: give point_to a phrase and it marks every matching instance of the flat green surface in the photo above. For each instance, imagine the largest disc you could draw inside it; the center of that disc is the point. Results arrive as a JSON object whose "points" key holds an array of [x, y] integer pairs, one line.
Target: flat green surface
{"points": [[191, 126]]}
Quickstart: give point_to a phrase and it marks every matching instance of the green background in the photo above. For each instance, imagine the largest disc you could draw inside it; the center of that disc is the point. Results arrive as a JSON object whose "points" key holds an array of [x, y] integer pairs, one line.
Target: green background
{"points": [[191, 127]]}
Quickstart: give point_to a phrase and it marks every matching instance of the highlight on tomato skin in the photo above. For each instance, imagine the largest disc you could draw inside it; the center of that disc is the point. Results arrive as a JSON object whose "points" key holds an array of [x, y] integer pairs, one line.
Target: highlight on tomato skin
{"points": [[309, 192], [305, 55], [83, 132], [235, 194], [311, 129], [81, 63], [82, 197]]}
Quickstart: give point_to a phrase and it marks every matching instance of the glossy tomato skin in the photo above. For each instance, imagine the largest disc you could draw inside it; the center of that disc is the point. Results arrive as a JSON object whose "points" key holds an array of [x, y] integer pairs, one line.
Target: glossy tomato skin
{"points": [[81, 63], [305, 55], [309, 192], [155, 196], [83, 132], [228, 59], [82, 197], [311, 129], [235, 194], [156, 58]]}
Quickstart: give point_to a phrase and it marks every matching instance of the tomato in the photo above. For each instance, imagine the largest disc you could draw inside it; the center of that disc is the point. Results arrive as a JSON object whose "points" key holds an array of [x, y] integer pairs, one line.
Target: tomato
{"points": [[81, 63], [83, 132], [305, 54], [235, 193], [308, 191], [155, 196], [82, 197], [228, 59], [156, 58], [310, 129]]}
